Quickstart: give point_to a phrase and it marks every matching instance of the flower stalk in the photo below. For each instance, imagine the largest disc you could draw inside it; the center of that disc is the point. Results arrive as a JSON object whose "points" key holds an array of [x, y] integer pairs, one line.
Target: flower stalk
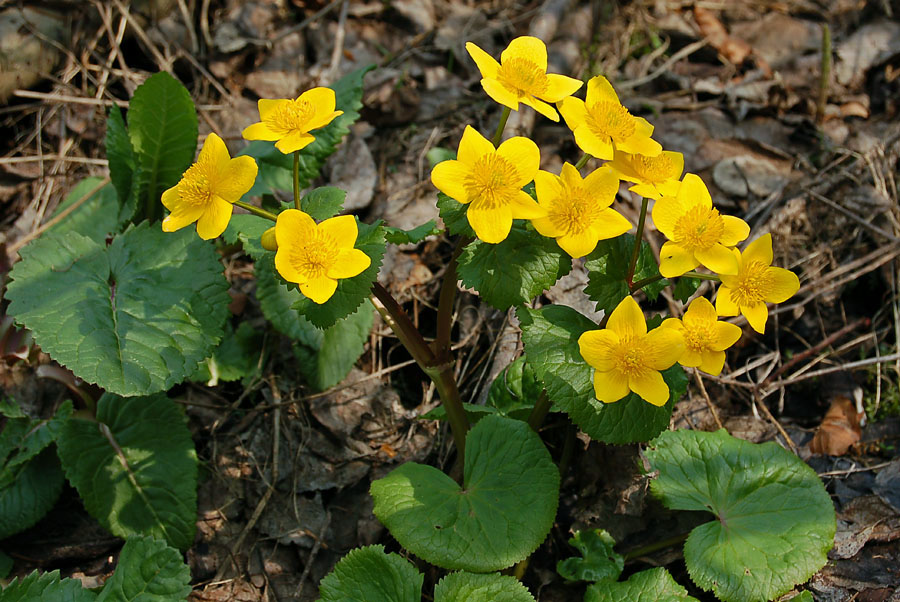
{"points": [[297, 180], [504, 117], [638, 237], [255, 210]]}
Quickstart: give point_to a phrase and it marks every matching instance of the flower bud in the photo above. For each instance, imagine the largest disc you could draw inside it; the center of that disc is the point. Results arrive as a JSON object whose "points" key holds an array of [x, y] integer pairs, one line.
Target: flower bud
{"points": [[268, 240]]}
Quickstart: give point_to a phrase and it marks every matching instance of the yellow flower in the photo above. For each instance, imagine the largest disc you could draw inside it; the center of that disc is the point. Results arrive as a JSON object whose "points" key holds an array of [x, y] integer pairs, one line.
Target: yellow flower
{"points": [[705, 338], [490, 181], [755, 283], [601, 124], [207, 189], [697, 232], [654, 177], [578, 213], [626, 357], [290, 121], [316, 256], [521, 76]]}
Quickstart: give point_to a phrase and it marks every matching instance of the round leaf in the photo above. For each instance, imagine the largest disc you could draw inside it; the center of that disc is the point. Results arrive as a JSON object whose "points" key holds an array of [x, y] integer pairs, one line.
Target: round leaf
{"points": [[775, 522], [369, 574], [148, 570], [502, 513], [469, 587], [655, 585]]}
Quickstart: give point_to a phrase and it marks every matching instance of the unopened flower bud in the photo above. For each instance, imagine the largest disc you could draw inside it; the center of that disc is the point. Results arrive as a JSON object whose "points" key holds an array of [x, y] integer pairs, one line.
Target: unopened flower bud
{"points": [[268, 240]]}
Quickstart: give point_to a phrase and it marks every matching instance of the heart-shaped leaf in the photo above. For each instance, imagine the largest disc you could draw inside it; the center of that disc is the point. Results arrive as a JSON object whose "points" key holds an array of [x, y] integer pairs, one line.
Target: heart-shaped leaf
{"points": [[655, 585], [470, 587], [369, 574]]}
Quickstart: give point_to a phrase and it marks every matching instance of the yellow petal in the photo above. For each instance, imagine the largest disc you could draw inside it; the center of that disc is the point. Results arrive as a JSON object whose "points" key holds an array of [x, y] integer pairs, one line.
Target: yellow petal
{"points": [[649, 191], [712, 362], [784, 285], [666, 346], [651, 387], [267, 106], [603, 184], [674, 323], [236, 179], [541, 107], [485, 62], [284, 266], [546, 227], [700, 313], [756, 315], [611, 386], [675, 260], [214, 152], [693, 192], [501, 94], [718, 259], [449, 177], [736, 230], [524, 155], [171, 199], [627, 320], [319, 289], [292, 229], [322, 119], [259, 131], [600, 90], [491, 225], [547, 187], [342, 229], [727, 334], [570, 176], [349, 263], [759, 250], [294, 142], [214, 219], [323, 99], [529, 48], [677, 160], [573, 111], [691, 359], [596, 347], [577, 244], [560, 86], [725, 305], [589, 142], [640, 141], [610, 223], [524, 207], [666, 213], [473, 146], [182, 217]]}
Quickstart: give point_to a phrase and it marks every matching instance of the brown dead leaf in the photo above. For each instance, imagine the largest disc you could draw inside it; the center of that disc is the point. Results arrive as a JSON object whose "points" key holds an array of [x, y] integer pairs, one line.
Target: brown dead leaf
{"points": [[839, 429], [733, 49]]}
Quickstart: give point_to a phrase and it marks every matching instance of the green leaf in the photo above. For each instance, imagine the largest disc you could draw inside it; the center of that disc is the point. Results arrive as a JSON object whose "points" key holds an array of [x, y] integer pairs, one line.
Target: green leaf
{"points": [[369, 574], [436, 154], [514, 271], [515, 390], [398, 236], [120, 155], [550, 336], [148, 571], [134, 317], [6, 565], [46, 587], [325, 357], [599, 562], [474, 412], [323, 202], [137, 473], [803, 597], [655, 585], [453, 214], [247, 229], [608, 267], [351, 292], [469, 587], [23, 438], [685, 288], [28, 491], [774, 520], [236, 357], [162, 125], [96, 217], [501, 515]]}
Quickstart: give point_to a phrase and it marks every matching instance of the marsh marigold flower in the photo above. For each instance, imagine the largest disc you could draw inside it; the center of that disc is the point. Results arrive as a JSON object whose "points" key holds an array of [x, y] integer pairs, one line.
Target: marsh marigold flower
{"points": [[578, 213], [521, 76], [490, 181], [705, 338], [207, 190], [653, 177], [755, 283], [288, 122], [602, 125], [697, 232], [316, 256], [625, 357]]}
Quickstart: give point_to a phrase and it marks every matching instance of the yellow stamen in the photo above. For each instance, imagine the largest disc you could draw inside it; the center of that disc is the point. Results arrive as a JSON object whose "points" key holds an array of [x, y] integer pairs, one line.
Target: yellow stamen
{"points": [[492, 181], [316, 257], [630, 357], [699, 229], [522, 77], [195, 187], [654, 169], [290, 116], [698, 337], [575, 211], [610, 120], [754, 281]]}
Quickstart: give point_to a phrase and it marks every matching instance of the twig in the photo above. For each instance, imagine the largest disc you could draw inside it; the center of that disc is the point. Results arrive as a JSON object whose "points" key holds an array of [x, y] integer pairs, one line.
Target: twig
{"points": [[63, 158], [62, 98], [709, 403], [313, 552], [162, 62], [849, 366], [859, 220], [683, 53]]}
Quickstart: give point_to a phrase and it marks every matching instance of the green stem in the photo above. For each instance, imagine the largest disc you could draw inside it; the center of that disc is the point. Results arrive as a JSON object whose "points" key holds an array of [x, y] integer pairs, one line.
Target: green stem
{"points": [[256, 210], [297, 180], [583, 161], [700, 276], [540, 411], [498, 135], [638, 238], [655, 546], [441, 345], [642, 283]]}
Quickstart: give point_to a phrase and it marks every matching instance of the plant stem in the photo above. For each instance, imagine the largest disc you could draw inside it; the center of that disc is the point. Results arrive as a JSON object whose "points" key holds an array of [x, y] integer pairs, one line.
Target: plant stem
{"points": [[657, 545], [642, 283], [638, 238], [297, 180], [441, 345], [498, 135], [256, 210], [699, 276], [824, 74], [540, 411], [583, 161]]}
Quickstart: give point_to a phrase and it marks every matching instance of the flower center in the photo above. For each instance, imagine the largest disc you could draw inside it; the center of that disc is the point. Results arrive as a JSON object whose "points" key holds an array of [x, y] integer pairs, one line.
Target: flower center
{"points": [[610, 120], [753, 283], [195, 187], [492, 181], [699, 229], [290, 116], [630, 357], [698, 337], [654, 169], [316, 257], [522, 77], [575, 211]]}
